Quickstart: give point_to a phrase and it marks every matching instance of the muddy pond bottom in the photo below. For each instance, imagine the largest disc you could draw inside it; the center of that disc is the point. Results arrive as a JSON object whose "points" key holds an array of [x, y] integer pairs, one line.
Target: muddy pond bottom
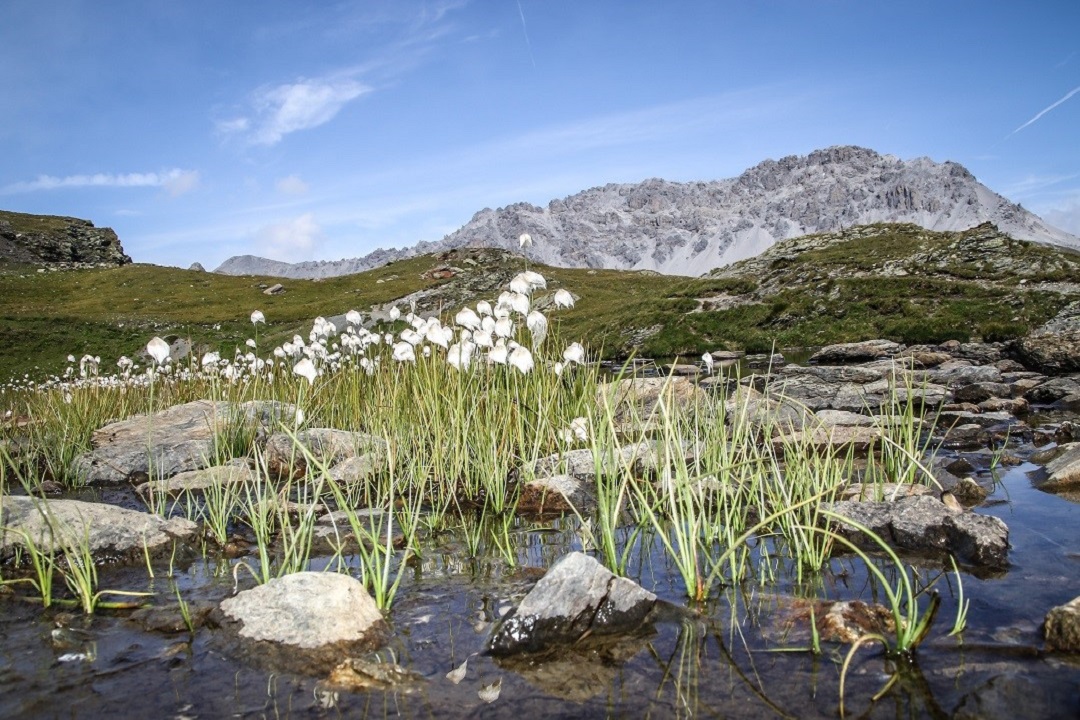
{"points": [[743, 654]]}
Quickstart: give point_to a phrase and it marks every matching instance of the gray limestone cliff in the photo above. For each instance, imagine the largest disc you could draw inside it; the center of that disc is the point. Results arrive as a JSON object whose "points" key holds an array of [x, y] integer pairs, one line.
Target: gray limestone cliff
{"points": [[57, 241]]}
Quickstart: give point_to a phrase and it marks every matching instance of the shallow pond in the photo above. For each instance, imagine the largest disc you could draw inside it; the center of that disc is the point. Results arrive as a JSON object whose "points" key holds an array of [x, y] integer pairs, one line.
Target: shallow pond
{"points": [[741, 655]]}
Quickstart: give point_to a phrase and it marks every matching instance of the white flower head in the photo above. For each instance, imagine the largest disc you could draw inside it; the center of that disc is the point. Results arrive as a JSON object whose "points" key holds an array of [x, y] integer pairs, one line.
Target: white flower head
{"points": [[158, 349], [257, 317], [394, 314], [563, 299], [404, 352], [575, 353], [522, 359], [353, 317], [306, 369], [707, 358], [538, 326], [524, 240]]}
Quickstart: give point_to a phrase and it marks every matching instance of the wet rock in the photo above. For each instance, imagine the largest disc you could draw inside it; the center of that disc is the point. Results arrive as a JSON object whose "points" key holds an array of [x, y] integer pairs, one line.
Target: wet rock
{"points": [[968, 435], [1054, 347], [170, 619], [640, 458], [836, 622], [285, 457], [855, 352], [883, 491], [307, 622], [1063, 472], [1062, 627], [113, 533], [1013, 406], [681, 370], [171, 441], [237, 471], [557, 494], [577, 596], [924, 524], [969, 492]]}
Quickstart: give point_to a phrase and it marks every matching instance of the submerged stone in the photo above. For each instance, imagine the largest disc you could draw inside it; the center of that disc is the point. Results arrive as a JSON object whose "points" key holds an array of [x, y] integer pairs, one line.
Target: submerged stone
{"points": [[1062, 627]]}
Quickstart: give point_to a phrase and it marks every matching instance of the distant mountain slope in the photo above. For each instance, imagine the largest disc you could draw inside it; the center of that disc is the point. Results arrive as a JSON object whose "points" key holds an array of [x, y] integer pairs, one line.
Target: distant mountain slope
{"points": [[691, 228]]}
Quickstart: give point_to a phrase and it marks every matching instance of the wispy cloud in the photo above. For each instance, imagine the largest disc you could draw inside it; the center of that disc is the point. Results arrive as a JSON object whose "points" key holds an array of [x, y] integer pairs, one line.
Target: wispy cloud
{"points": [[1045, 110], [175, 182], [292, 185], [291, 239], [276, 111]]}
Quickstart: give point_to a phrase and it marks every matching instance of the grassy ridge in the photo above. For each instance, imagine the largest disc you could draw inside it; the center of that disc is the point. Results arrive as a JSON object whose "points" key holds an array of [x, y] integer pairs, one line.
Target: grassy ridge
{"points": [[894, 281]]}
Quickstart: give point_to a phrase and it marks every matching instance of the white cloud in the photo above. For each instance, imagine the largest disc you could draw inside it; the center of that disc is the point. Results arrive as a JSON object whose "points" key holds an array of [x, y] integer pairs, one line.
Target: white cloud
{"points": [[175, 181], [289, 240], [307, 103], [292, 185], [181, 182], [1065, 215]]}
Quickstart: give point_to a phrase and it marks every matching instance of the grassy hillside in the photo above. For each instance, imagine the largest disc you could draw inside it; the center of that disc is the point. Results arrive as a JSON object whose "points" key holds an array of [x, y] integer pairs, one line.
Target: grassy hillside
{"points": [[894, 281]]}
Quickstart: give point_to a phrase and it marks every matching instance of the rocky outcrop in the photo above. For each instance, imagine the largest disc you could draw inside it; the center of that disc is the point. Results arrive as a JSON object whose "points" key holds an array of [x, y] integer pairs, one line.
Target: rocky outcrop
{"points": [[1055, 347], [1062, 627], [690, 228], [58, 241], [577, 597], [285, 456]]}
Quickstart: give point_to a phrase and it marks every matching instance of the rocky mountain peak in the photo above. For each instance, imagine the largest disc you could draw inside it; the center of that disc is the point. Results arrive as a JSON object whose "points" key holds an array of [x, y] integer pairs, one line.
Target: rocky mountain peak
{"points": [[692, 228]]}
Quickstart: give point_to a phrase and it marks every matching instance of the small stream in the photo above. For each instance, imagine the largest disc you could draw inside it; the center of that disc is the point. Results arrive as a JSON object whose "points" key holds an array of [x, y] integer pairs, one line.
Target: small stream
{"points": [[739, 656]]}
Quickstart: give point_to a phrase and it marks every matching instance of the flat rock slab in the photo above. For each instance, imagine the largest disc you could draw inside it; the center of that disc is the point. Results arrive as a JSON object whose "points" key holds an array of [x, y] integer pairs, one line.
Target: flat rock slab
{"points": [[557, 494], [577, 596], [308, 622], [636, 401], [285, 456], [172, 441], [1062, 627], [112, 532], [838, 438], [924, 524], [200, 480], [855, 352], [640, 458]]}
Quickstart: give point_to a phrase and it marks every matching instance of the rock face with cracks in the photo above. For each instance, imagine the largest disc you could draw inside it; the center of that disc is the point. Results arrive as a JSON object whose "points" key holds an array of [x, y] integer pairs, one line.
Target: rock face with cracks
{"points": [[577, 597]]}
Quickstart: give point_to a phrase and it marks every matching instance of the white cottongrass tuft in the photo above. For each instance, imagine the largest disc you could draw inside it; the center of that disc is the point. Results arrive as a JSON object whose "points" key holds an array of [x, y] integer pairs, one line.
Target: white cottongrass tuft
{"points": [[524, 240], [158, 349], [257, 317], [522, 359], [404, 352], [538, 326], [306, 369], [575, 353], [563, 299]]}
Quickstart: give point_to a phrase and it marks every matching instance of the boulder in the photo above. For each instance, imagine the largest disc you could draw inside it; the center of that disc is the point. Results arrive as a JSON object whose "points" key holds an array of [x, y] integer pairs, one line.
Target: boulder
{"points": [[640, 458], [113, 533], [924, 524], [1052, 390], [958, 373], [308, 622], [557, 494], [284, 457], [837, 439], [577, 597], [1062, 627], [855, 352], [170, 441], [1054, 347]]}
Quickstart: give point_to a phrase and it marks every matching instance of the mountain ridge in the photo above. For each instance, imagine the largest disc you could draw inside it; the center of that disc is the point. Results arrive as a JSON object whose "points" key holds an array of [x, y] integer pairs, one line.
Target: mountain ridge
{"points": [[691, 228]]}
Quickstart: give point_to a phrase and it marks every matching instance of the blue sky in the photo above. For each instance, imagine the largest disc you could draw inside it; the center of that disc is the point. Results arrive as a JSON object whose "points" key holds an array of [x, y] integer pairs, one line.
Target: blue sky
{"points": [[204, 129]]}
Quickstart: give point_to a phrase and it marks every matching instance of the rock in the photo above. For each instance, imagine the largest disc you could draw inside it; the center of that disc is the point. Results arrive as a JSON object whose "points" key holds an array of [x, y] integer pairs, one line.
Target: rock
{"points": [[171, 441], [969, 492], [1063, 472], [1053, 390], [308, 621], [924, 524], [234, 472], [883, 491], [640, 458], [923, 357], [837, 439], [58, 242], [832, 418], [957, 373], [635, 402], [980, 391], [326, 445], [557, 494], [275, 289], [1055, 347], [681, 370], [113, 533], [855, 352], [750, 406], [196, 267], [577, 596], [356, 469], [968, 435], [359, 675], [1062, 627]]}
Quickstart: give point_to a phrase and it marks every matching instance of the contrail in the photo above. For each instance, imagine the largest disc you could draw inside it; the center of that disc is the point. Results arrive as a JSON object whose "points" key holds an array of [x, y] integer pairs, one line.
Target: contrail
{"points": [[1045, 110], [529, 44]]}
